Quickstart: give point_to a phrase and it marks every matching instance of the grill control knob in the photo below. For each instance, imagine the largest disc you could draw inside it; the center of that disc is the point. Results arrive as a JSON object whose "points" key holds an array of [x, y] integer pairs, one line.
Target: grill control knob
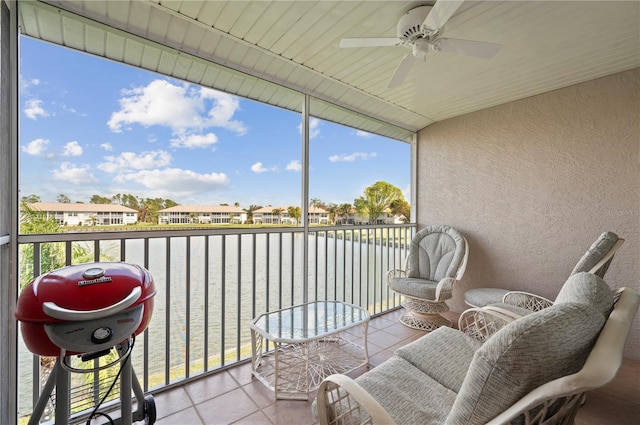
{"points": [[101, 335]]}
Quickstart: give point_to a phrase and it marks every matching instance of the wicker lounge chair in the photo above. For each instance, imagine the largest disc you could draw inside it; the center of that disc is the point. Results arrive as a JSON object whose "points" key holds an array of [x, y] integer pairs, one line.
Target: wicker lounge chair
{"points": [[535, 370]]}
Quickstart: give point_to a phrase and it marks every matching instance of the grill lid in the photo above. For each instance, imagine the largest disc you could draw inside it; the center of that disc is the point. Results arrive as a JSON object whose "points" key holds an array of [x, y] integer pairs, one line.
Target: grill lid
{"points": [[84, 292]]}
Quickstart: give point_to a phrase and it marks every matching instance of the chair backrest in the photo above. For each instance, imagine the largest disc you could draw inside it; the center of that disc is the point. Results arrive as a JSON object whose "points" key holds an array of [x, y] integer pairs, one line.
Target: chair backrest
{"points": [[564, 394], [524, 355], [437, 252], [599, 256], [587, 288]]}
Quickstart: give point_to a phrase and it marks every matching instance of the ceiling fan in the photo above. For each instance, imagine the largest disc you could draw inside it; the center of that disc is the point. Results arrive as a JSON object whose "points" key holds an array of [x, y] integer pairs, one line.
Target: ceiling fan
{"points": [[421, 29]]}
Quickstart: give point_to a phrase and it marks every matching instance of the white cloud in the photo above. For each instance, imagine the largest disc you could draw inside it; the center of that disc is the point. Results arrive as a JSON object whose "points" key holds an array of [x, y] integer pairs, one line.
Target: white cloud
{"points": [[258, 168], [194, 141], [74, 174], [361, 133], [314, 127], [176, 181], [107, 147], [71, 110], [33, 109], [352, 157], [222, 112], [26, 84], [72, 149], [135, 161], [180, 107], [294, 165], [36, 147]]}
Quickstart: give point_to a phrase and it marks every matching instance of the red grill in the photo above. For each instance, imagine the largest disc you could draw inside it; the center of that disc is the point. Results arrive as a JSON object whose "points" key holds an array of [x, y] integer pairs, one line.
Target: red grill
{"points": [[87, 310]]}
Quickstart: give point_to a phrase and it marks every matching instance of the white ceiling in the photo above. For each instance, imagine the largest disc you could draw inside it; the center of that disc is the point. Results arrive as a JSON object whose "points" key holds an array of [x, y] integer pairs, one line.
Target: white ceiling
{"points": [[294, 44]]}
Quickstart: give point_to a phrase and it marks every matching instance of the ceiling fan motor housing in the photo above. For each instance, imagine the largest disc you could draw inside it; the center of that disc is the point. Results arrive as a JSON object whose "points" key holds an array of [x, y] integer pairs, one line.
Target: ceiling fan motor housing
{"points": [[410, 25]]}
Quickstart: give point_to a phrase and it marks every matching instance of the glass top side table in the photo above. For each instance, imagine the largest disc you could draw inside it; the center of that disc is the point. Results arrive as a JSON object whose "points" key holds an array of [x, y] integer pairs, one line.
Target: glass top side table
{"points": [[295, 348]]}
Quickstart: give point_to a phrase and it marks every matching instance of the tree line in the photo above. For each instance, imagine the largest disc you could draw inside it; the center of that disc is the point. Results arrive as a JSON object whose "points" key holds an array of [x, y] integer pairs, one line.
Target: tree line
{"points": [[376, 199]]}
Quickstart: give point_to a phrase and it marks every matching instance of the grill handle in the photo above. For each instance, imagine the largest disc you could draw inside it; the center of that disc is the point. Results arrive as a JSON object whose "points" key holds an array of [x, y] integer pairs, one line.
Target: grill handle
{"points": [[54, 310]]}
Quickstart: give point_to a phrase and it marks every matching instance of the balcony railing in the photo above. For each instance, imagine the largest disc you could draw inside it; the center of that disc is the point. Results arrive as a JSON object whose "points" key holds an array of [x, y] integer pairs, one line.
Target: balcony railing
{"points": [[211, 283]]}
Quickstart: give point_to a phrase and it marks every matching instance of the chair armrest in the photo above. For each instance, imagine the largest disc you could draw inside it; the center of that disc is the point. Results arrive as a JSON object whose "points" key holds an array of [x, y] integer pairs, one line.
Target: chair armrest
{"points": [[445, 288], [342, 400], [527, 300], [482, 323], [399, 272], [391, 274]]}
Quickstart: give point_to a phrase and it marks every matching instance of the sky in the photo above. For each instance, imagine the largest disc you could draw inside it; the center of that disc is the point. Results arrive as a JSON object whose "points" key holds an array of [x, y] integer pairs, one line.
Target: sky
{"points": [[90, 126]]}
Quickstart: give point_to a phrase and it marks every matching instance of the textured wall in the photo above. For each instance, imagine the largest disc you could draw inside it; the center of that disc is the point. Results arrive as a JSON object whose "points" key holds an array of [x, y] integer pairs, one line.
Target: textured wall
{"points": [[533, 183]]}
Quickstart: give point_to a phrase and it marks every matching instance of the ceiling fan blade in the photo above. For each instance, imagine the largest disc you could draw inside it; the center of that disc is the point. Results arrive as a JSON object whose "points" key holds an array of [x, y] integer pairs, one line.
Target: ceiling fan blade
{"points": [[401, 71], [369, 42], [441, 12], [478, 49]]}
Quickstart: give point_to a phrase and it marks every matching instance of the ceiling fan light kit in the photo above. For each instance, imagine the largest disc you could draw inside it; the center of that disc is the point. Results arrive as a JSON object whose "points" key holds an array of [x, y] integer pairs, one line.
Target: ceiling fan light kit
{"points": [[420, 29]]}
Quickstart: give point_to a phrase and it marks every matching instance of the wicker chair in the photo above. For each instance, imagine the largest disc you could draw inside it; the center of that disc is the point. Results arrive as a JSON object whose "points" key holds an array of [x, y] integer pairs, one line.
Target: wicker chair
{"points": [[596, 260], [513, 376], [437, 260]]}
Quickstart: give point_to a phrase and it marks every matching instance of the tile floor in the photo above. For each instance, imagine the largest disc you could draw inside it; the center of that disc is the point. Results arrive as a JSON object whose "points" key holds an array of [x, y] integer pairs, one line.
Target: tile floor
{"points": [[233, 397]]}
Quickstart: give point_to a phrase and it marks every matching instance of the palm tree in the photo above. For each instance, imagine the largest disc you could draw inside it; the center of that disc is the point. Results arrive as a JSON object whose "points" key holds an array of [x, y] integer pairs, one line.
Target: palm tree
{"points": [[316, 203], [344, 210], [278, 212], [332, 209], [250, 211]]}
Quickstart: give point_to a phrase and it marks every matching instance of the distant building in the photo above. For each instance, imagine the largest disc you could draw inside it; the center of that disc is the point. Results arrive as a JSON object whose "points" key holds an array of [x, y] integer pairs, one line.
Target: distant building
{"points": [[280, 215], [273, 215], [202, 214], [67, 214], [318, 216], [387, 217]]}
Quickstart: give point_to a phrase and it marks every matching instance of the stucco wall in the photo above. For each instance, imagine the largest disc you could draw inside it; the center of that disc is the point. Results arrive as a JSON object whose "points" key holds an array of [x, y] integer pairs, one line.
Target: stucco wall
{"points": [[534, 182]]}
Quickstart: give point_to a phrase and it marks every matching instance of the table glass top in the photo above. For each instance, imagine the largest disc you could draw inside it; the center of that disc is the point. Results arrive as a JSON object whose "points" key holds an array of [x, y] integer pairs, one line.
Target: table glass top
{"points": [[309, 321]]}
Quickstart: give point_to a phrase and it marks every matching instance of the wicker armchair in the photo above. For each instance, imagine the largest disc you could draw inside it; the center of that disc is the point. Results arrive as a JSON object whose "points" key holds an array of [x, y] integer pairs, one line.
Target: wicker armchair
{"points": [[508, 377], [437, 260]]}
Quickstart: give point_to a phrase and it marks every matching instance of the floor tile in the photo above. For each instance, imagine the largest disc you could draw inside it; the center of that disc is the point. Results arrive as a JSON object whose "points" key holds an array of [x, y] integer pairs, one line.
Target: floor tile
{"points": [[226, 408], [290, 412], [209, 387], [171, 401], [257, 418], [184, 417], [242, 373], [383, 339], [259, 393]]}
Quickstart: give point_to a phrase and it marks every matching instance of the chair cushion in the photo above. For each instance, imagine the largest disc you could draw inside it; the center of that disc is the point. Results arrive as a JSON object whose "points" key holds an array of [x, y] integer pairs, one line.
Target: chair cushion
{"points": [[595, 253], [419, 288], [587, 288], [479, 297], [444, 354], [435, 253], [523, 355], [407, 394]]}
